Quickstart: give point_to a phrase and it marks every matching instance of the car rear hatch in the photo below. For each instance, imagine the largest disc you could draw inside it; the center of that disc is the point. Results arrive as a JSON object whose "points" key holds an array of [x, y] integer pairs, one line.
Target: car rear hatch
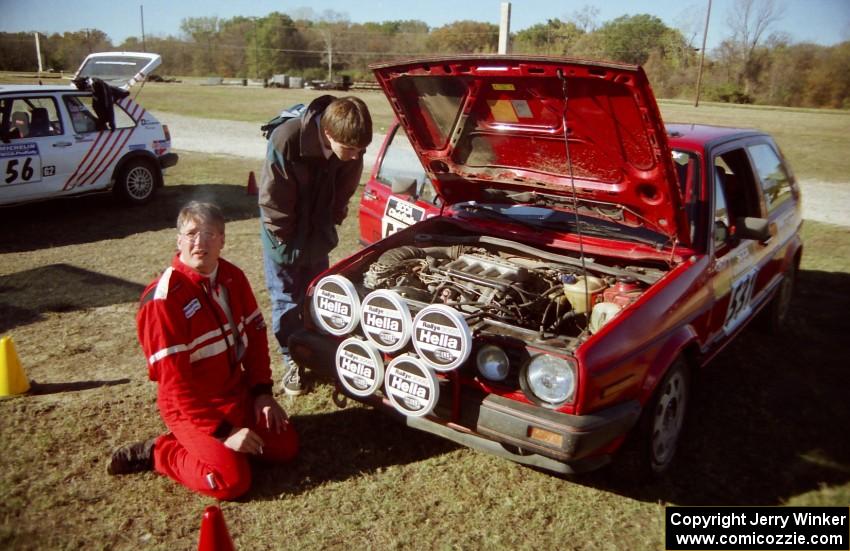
{"points": [[119, 69]]}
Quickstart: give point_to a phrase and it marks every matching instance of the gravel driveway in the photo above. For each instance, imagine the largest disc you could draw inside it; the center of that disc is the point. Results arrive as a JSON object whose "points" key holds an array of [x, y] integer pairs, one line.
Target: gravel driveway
{"points": [[822, 201]]}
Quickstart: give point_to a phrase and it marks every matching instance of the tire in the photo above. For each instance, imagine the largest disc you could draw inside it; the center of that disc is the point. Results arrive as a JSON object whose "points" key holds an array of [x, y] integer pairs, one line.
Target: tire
{"points": [[777, 311], [650, 449], [137, 181]]}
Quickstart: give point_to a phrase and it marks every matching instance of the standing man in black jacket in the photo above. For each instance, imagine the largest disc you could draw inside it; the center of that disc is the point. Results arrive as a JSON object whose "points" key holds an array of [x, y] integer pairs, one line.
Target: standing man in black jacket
{"points": [[312, 169]]}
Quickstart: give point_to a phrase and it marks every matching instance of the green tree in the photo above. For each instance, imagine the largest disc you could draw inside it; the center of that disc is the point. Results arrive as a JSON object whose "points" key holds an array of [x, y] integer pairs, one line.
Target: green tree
{"points": [[279, 45], [464, 37], [632, 38], [555, 37], [204, 33]]}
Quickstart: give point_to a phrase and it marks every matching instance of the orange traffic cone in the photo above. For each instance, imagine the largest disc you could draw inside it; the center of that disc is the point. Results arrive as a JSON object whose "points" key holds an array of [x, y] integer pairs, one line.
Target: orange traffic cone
{"points": [[214, 534], [13, 380], [252, 184]]}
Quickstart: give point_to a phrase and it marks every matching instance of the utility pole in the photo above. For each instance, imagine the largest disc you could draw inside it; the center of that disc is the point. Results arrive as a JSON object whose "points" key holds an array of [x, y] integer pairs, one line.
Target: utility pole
{"points": [[505, 29], [702, 53], [38, 55], [142, 14], [330, 56], [256, 51]]}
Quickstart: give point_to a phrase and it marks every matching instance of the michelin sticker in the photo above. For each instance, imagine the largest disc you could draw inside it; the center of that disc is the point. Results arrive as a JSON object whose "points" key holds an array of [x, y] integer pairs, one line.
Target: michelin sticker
{"points": [[400, 214], [336, 306], [359, 366], [442, 337], [385, 320], [20, 163], [411, 386]]}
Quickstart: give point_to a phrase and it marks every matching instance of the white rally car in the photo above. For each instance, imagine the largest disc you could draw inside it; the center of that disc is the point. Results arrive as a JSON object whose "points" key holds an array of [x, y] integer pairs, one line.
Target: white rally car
{"points": [[87, 137]]}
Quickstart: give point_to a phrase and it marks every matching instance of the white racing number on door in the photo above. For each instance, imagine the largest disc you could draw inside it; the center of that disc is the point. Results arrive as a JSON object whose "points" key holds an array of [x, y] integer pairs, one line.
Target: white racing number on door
{"points": [[20, 163], [398, 215], [740, 301]]}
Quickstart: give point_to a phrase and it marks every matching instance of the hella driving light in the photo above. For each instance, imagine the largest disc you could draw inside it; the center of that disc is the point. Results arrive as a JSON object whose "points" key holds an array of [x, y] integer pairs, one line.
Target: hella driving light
{"points": [[551, 380], [359, 366], [385, 320], [336, 305], [492, 363], [441, 337]]}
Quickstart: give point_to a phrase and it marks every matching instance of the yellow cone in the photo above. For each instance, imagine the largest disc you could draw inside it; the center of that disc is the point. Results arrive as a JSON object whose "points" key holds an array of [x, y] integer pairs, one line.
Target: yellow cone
{"points": [[13, 380]]}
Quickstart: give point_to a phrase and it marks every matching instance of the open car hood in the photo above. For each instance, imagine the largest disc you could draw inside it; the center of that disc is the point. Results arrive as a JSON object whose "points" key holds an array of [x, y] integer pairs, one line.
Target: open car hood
{"points": [[486, 122], [120, 69]]}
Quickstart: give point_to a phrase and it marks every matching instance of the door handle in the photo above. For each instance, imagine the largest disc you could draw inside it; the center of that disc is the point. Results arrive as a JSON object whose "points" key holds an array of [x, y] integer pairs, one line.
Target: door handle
{"points": [[369, 194], [62, 144]]}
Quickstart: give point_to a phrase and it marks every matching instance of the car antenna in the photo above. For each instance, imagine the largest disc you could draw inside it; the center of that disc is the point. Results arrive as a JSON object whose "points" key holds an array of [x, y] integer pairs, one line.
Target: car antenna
{"points": [[139, 91], [573, 188]]}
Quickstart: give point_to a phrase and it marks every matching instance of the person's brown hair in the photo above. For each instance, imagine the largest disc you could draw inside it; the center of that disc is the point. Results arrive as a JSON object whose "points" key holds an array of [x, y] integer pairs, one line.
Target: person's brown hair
{"points": [[347, 121], [206, 213]]}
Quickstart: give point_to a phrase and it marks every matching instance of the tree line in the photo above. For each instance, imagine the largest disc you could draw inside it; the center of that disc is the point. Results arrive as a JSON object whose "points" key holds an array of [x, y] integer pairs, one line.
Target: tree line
{"points": [[749, 66]]}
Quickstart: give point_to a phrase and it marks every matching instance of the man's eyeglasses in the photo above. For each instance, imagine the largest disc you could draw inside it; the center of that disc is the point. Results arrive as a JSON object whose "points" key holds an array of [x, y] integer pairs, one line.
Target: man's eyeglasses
{"points": [[196, 235]]}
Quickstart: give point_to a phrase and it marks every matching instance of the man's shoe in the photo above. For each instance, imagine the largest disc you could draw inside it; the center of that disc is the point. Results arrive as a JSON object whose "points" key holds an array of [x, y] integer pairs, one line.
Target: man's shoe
{"points": [[291, 384], [132, 458]]}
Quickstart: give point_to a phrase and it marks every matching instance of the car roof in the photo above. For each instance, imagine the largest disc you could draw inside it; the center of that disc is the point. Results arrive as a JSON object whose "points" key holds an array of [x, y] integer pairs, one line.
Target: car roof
{"points": [[34, 88], [702, 136]]}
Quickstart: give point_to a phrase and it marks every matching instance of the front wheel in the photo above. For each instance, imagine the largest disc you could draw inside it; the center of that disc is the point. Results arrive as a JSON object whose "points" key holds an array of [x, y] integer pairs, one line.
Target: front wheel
{"points": [[136, 182], [650, 449]]}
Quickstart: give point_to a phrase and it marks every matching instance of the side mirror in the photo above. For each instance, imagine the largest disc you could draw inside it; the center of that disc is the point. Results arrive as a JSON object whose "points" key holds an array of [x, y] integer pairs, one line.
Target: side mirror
{"points": [[749, 227], [404, 186]]}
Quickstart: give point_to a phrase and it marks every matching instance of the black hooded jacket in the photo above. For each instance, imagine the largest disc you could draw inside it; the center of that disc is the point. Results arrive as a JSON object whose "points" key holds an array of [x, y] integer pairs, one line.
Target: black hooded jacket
{"points": [[303, 195]]}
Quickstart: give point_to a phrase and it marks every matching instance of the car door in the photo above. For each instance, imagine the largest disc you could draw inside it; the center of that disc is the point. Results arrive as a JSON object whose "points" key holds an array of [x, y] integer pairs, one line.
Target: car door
{"points": [[35, 153], [399, 193], [741, 264]]}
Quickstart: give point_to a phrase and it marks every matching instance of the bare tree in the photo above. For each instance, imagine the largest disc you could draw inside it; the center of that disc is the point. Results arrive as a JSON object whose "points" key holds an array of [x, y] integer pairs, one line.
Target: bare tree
{"points": [[585, 18], [749, 20]]}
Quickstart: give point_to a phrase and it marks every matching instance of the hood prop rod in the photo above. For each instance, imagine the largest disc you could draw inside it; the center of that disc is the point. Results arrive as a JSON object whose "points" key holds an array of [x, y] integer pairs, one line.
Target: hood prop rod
{"points": [[560, 73]]}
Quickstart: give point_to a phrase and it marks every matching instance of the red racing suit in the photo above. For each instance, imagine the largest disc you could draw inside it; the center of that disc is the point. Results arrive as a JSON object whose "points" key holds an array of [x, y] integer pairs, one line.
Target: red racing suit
{"points": [[208, 376]]}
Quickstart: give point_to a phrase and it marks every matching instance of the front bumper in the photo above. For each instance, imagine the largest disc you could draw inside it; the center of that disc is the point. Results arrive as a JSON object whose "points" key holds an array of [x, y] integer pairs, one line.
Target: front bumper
{"points": [[521, 432]]}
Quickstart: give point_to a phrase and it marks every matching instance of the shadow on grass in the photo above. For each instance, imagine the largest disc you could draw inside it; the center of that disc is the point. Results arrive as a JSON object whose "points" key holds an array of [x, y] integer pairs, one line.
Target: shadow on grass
{"points": [[344, 444], [768, 420], [99, 217], [56, 388], [769, 417], [26, 296]]}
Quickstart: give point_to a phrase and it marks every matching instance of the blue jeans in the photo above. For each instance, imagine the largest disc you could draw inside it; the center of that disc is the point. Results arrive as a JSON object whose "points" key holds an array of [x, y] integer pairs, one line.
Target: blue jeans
{"points": [[287, 286]]}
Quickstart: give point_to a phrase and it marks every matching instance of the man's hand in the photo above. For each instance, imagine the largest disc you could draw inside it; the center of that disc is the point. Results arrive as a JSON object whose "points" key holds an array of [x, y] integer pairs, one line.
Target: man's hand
{"points": [[269, 413], [244, 440]]}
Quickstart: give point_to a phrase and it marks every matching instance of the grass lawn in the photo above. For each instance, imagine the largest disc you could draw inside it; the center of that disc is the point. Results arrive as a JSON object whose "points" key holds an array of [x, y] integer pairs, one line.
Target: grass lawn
{"points": [[768, 424]]}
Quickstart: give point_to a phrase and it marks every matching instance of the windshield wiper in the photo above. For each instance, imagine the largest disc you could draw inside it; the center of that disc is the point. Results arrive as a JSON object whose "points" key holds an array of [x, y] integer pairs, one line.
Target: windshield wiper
{"points": [[486, 212]]}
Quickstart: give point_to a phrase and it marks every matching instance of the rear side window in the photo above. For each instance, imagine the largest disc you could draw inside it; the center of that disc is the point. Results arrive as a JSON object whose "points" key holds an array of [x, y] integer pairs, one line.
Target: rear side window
{"points": [[84, 117], [34, 117], [775, 182]]}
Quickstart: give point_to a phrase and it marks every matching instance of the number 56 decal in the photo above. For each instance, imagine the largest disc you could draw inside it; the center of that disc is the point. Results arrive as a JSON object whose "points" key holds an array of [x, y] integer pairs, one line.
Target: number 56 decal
{"points": [[739, 301], [20, 163]]}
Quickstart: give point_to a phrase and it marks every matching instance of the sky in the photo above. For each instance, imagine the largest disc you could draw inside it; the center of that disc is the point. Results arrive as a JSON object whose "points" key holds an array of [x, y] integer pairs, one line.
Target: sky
{"points": [[823, 22]]}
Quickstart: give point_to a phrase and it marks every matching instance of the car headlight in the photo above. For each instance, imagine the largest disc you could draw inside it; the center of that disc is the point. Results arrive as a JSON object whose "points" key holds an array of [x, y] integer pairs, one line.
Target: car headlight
{"points": [[551, 379], [492, 363]]}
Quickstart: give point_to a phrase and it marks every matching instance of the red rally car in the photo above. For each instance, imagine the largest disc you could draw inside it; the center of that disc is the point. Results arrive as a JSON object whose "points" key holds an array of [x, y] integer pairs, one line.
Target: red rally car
{"points": [[555, 262]]}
